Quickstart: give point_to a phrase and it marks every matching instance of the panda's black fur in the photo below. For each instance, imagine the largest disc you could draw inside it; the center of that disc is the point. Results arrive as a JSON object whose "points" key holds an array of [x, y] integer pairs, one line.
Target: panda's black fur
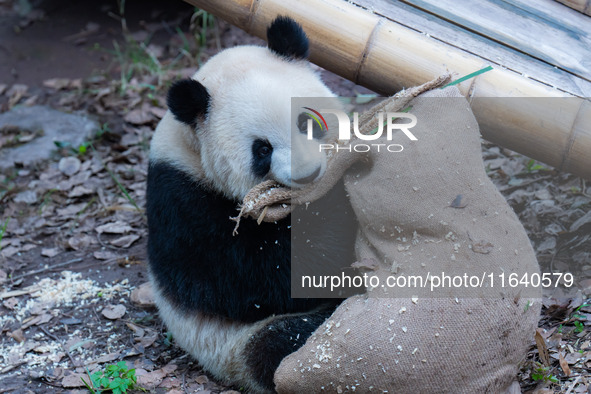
{"points": [[200, 268], [246, 277]]}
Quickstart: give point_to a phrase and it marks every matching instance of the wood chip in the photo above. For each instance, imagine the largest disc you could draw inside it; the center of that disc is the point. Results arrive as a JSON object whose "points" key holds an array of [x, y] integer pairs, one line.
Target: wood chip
{"points": [[482, 247]]}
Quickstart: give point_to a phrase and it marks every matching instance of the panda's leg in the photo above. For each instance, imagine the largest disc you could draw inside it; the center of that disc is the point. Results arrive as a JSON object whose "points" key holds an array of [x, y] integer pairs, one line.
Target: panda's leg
{"points": [[278, 338]]}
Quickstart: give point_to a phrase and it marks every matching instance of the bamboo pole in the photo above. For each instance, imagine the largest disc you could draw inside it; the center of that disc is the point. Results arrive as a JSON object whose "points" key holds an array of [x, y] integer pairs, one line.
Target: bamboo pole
{"points": [[583, 6], [386, 57]]}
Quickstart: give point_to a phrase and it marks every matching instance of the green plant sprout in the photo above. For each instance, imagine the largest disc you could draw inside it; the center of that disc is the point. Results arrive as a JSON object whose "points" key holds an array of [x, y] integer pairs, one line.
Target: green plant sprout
{"points": [[531, 166], [116, 378], [579, 326], [542, 374], [3, 230]]}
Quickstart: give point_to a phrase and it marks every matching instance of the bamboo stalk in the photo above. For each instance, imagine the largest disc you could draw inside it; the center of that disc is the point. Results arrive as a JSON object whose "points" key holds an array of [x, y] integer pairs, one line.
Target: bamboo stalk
{"points": [[386, 57], [583, 6]]}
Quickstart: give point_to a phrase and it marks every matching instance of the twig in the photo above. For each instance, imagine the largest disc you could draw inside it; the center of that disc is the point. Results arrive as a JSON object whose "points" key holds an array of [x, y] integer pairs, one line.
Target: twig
{"points": [[183, 384], [11, 367], [17, 293], [572, 386], [515, 187], [104, 245], [48, 333], [45, 269], [74, 363]]}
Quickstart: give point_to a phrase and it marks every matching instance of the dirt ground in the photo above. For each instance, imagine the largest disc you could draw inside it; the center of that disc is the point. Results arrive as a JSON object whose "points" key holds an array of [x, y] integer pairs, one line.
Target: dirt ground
{"points": [[73, 243]]}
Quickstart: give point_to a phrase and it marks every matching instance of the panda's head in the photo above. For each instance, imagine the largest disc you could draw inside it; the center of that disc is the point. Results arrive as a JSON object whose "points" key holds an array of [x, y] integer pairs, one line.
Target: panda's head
{"points": [[234, 118]]}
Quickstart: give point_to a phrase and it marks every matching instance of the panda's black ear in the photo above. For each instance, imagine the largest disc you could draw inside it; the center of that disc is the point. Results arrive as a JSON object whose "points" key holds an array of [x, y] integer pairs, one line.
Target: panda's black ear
{"points": [[286, 38], [188, 100]]}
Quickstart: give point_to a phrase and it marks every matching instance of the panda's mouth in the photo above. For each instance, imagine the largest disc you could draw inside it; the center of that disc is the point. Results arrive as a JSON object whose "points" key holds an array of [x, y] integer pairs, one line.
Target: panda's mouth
{"points": [[298, 183], [308, 179]]}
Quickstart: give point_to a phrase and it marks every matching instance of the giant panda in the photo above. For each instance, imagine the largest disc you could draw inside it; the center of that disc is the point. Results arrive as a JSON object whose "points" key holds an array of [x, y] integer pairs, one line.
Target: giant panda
{"points": [[224, 297]]}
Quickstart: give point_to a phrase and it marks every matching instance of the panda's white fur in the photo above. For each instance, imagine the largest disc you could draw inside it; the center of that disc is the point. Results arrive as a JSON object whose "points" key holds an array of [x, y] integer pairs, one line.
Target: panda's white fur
{"points": [[231, 77], [226, 299], [216, 343]]}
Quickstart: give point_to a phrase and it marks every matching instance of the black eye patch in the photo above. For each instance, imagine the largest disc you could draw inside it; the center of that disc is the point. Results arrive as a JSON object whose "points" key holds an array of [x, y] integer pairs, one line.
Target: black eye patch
{"points": [[302, 123], [262, 150]]}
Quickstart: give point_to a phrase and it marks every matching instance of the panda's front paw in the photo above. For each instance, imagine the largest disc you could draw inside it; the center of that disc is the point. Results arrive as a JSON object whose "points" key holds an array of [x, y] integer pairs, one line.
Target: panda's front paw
{"points": [[279, 338]]}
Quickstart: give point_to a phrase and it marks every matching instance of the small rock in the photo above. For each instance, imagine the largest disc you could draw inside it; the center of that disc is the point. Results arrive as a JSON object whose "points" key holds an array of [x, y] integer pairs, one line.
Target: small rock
{"points": [[52, 126], [69, 165]]}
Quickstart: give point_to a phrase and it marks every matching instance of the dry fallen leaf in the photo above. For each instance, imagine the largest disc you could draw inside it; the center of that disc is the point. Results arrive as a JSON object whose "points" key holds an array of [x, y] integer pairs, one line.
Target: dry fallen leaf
{"points": [[143, 296], [107, 358], [459, 202], [3, 276], [69, 165], [125, 241], [563, 364], [17, 335], [27, 196], [74, 380], [139, 116], [117, 227], [148, 340], [71, 210], [50, 252], [10, 303], [56, 83], [113, 312], [366, 264], [202, 379], [79, 242], [137, 330], [80, 191], [542, 349], [37, 320], [104, 255], [152, 379]]}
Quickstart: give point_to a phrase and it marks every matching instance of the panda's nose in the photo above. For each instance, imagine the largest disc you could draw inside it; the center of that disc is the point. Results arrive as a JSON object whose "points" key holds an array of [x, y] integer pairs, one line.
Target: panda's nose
{"points": [[308, 179]]}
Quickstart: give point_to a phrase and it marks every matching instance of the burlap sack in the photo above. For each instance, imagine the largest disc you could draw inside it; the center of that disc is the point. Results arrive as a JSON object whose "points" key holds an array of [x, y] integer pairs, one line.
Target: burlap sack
{"points": [[429, 209]]}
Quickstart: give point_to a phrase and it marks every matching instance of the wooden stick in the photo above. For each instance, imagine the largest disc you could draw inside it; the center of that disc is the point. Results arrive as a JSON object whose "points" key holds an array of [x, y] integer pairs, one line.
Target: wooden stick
{"points": [[17, 293], [385, 57]]}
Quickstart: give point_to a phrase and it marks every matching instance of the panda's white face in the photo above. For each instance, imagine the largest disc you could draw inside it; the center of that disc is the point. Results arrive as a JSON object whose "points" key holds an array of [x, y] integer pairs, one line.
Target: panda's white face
{"points": [[246, 135], [248, 132]]}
